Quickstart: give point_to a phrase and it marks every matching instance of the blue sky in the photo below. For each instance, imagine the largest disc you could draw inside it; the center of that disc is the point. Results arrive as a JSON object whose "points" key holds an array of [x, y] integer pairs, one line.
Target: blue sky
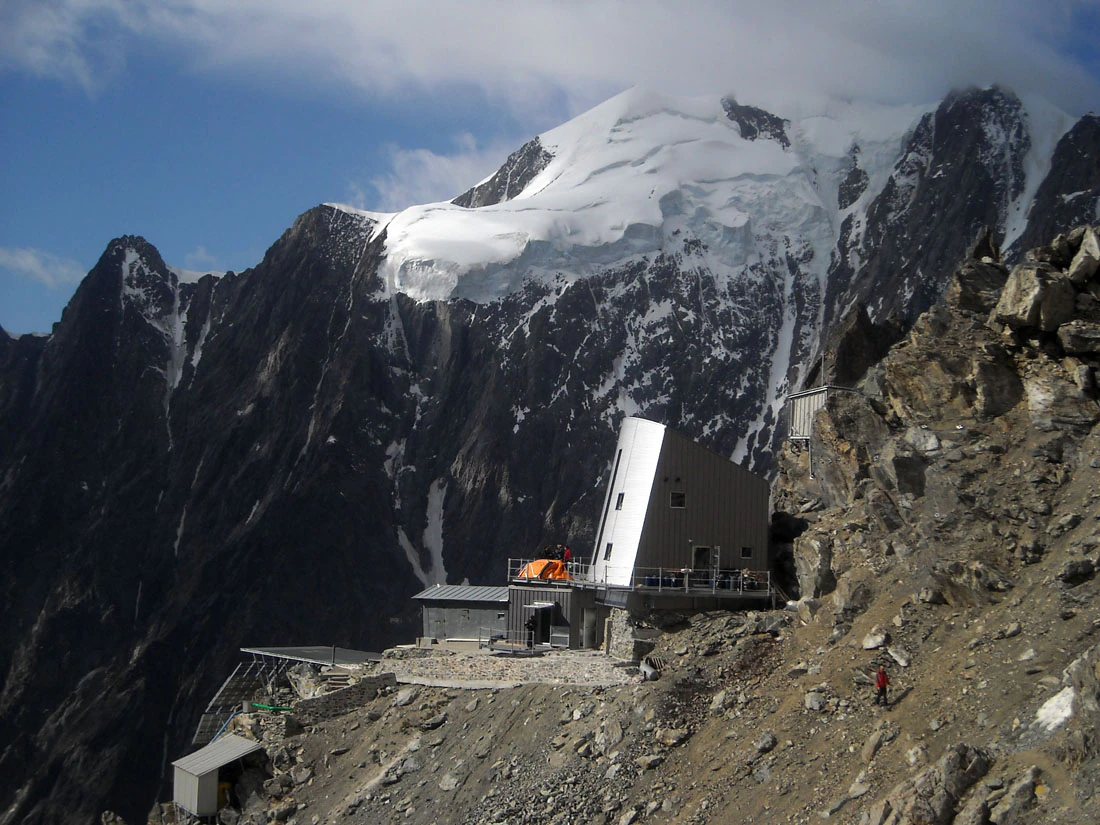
{"points": [[207, 126]]}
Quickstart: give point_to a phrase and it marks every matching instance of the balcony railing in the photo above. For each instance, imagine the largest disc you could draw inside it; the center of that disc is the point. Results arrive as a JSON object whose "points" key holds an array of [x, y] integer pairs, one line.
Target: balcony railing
{"points": [[679, 579]]}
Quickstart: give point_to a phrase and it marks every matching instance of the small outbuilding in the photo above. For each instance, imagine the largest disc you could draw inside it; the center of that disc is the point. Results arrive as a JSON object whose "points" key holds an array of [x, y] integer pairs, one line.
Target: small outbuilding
{"points": [[463, 613], [197, 777]]}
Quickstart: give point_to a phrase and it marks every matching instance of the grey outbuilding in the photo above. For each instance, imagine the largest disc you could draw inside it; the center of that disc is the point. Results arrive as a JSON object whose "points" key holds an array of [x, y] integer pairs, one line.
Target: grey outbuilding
{"points": [[456, 612], [196, 777]]}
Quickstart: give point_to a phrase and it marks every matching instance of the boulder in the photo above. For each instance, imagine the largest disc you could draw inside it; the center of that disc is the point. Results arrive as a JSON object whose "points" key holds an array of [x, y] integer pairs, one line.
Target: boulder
{"points": [[813, 558], [1053, 400], [807, 609], [931, 595], [671, 737], [875, 741], [1019, 798], [434, 722], [976, 286], [1036, 296], [609, 735], [766, 742], [1087, 259], [1080, 337], [850, 599], [1076, 571], [405, 697], [449, 782], [997, 387], [883, 508], [876, 638], [899, 655]]}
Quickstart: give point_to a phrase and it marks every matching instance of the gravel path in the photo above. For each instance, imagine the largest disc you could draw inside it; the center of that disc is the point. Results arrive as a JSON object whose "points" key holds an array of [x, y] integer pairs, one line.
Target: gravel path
{"points": [[486, 670]]}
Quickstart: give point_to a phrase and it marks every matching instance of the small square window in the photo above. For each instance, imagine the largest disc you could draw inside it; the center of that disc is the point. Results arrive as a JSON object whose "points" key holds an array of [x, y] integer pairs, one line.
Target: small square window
{"points": [[677, 500], [746, 552], [607, 552], [619, 501]]}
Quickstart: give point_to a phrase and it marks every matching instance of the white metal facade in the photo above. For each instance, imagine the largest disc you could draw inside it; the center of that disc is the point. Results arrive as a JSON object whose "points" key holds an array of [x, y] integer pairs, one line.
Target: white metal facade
{"points": [[632, 475]]}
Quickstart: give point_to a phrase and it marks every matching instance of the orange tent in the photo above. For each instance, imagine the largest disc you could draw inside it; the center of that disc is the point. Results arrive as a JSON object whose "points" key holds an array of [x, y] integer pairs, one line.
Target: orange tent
{"points": [[544, 569]]}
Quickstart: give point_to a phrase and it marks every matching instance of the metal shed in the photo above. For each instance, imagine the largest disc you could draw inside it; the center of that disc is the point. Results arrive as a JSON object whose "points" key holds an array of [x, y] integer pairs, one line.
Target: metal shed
{"points": [[195, 780], [460, 612]]}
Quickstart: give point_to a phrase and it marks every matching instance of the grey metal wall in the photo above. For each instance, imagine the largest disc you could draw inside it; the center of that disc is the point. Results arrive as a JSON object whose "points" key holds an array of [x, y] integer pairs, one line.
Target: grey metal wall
{"points": [[520, 596], [197, 794], [726, 507], [462, 620]]}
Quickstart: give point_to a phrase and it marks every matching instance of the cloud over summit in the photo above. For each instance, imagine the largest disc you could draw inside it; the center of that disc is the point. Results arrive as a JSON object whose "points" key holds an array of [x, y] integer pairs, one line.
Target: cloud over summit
{"points": [[570, 55]]}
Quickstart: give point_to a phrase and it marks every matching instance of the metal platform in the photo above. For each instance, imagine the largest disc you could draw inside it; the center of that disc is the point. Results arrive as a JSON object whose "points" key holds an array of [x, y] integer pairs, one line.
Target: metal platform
{"points": [[316, 654]]}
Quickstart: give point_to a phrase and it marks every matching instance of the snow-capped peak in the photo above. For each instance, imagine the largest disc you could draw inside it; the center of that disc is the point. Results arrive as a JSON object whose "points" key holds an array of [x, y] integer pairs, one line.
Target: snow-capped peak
{"points": [[631, 178]]}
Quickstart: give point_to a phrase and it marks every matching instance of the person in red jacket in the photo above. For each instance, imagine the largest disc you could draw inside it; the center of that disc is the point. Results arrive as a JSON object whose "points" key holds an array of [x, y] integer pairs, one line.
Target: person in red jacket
{"points": [[882, 681]]}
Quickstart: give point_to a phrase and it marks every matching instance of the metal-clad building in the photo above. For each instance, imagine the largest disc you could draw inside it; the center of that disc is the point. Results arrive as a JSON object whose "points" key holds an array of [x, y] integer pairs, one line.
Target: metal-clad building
{"points": [[564, 616], [459, 612], [674, 504], [195, 779]]}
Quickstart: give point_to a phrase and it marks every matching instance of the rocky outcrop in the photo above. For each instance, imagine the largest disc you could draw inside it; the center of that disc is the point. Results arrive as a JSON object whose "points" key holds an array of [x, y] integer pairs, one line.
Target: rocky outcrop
{"points": [[939, 406], [931, 797], [518, 170], [756, 123]]}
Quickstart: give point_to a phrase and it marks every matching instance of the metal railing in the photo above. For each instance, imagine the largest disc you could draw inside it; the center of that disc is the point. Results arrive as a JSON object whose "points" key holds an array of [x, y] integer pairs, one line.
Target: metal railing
{"points": [[525, 570], [515, 641], [686, 580]]}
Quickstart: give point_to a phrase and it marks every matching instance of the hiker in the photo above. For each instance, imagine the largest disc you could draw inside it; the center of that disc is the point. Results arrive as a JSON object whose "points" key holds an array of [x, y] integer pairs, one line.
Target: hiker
{"points": [[530, 625], [882, 681]]}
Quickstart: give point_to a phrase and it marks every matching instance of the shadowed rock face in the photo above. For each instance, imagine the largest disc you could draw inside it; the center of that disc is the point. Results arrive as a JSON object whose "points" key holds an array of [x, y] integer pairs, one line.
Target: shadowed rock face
{"points": [[267, 457], [756, 123], [1067, 195], [518, 170], [949, 182]]}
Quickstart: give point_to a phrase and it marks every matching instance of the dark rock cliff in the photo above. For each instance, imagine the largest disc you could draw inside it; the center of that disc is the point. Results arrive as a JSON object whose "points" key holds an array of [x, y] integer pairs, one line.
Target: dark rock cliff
{"points": [[960, 170]]}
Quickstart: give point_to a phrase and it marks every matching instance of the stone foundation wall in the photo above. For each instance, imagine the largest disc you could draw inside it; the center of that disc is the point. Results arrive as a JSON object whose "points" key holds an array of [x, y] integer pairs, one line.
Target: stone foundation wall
{"points": [[619, 643], [337, 703], [621, 639]]}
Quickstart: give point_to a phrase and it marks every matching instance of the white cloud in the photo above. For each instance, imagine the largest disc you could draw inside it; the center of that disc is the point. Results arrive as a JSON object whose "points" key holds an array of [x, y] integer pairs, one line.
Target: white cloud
{"points": [[423, 176], [41, 266], [200, 259], [570, 54]]}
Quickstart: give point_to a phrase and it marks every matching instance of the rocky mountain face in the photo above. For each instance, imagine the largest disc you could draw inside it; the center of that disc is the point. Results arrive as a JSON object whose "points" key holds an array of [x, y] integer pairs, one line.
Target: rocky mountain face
{"points": [[285, 455], [945, 531]]}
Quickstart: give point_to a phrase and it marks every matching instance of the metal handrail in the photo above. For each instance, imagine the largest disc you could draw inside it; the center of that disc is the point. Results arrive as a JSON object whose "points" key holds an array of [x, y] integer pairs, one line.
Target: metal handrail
{"points": [[507, 640], [722, 580]]}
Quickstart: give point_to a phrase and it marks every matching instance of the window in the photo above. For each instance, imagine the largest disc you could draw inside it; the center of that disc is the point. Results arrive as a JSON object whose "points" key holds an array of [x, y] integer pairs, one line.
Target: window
{"points": [[746, 552], [607, 552], [677, 500], [619, 501]]}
